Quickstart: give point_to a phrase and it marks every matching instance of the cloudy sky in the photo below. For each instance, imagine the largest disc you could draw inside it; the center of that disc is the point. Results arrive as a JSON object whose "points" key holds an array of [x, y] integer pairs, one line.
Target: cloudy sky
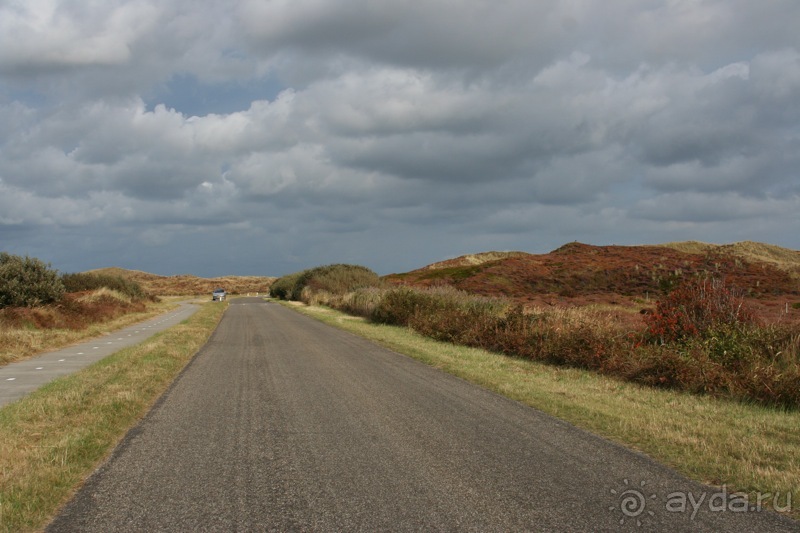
{"points": [[266, 136]]}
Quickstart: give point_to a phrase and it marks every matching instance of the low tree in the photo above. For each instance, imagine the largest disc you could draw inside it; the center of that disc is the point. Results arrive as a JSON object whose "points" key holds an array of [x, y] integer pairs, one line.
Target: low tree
{"points": [[27, 282]]}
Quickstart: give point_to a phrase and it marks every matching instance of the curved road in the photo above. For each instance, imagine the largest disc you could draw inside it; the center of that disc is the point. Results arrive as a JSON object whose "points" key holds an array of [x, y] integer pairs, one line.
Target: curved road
{"points": [[282, 423]]}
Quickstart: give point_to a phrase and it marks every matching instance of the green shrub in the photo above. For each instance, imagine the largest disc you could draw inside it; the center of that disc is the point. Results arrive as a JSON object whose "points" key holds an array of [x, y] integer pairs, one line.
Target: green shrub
{"points": [[329, 280], [88, 282], [336, 280], [283, 287], [27, 282]]}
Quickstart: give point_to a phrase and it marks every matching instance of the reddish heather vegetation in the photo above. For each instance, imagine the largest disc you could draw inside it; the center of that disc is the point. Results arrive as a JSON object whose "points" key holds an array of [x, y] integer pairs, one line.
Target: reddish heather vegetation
{"points": [[634, 276], [703, 329], [74, 311], [702, 338], [578, 269]]}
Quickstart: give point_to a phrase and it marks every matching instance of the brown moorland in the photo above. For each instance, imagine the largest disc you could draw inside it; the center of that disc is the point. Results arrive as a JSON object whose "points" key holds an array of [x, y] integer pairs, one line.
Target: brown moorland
{"points": [[579, 274], [26, 331], [187, 284]]}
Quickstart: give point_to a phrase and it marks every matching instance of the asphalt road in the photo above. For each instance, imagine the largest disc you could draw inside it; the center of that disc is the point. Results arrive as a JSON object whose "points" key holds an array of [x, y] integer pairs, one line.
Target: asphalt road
{"points": [[282, 423]]}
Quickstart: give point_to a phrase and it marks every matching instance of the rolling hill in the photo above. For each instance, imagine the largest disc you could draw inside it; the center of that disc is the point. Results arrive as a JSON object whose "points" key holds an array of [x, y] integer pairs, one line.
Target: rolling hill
{"points": [[578, 270], [187, 284]]}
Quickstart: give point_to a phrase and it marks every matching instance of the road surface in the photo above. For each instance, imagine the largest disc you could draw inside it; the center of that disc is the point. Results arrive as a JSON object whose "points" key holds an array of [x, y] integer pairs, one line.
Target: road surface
{"points": [[282, 423]]}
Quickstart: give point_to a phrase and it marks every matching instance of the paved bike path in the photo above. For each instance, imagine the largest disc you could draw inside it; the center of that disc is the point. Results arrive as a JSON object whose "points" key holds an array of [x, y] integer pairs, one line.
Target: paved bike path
{"points": [[20, 378]]}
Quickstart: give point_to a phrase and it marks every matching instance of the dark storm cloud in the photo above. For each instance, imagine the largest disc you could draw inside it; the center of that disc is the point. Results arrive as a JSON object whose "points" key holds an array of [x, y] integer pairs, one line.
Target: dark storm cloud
{"points": [[433, 34]]}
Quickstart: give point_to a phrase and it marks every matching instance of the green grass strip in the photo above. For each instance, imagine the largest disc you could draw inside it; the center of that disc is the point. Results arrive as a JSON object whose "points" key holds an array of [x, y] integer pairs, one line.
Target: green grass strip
{"points": [[52, 439], [748, 448]]}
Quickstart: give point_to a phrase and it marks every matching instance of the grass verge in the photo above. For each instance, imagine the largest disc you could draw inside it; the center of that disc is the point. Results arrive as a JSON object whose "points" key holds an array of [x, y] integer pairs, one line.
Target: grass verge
{"points": [[52, 439], [748, 448]]}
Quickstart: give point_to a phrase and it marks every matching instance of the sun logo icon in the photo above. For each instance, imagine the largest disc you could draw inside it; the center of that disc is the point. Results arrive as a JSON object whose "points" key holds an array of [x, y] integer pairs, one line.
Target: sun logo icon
{"points": [[632, 502]]}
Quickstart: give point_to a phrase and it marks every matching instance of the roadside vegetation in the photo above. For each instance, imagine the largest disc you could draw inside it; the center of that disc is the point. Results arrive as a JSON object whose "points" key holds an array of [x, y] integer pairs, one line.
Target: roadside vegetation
{"points": [[89, 282], [325, 284], [41, 309], [52, 439], [577, 274], [27, 282], [700, 338], [697, 378]]}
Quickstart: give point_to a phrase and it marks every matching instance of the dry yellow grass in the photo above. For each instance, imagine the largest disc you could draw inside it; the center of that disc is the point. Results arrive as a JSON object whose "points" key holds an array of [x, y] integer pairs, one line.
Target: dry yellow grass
{"points": [[599, 318], [104, 293], [473, 259], [750, 251]]}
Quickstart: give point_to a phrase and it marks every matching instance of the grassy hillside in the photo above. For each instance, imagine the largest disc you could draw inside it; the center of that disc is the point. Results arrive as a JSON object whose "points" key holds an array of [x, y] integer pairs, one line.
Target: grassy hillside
{"points": [[184, 284]]}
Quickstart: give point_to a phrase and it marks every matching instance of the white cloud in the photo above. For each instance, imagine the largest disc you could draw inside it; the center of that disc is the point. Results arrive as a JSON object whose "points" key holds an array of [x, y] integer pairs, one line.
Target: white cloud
{"points": [[47, 34], [434, 121]]}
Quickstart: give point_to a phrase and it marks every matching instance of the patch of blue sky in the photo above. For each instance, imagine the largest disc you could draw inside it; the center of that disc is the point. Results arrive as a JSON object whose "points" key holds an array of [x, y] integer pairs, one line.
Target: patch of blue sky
{"points": [[193, 97], [27, 97]]}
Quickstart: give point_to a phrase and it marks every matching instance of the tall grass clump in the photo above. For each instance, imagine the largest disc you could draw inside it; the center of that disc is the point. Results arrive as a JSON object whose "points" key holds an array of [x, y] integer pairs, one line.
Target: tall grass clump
{"points": [[27, 282], [362, 302], [443, 313], [336, 280]]}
